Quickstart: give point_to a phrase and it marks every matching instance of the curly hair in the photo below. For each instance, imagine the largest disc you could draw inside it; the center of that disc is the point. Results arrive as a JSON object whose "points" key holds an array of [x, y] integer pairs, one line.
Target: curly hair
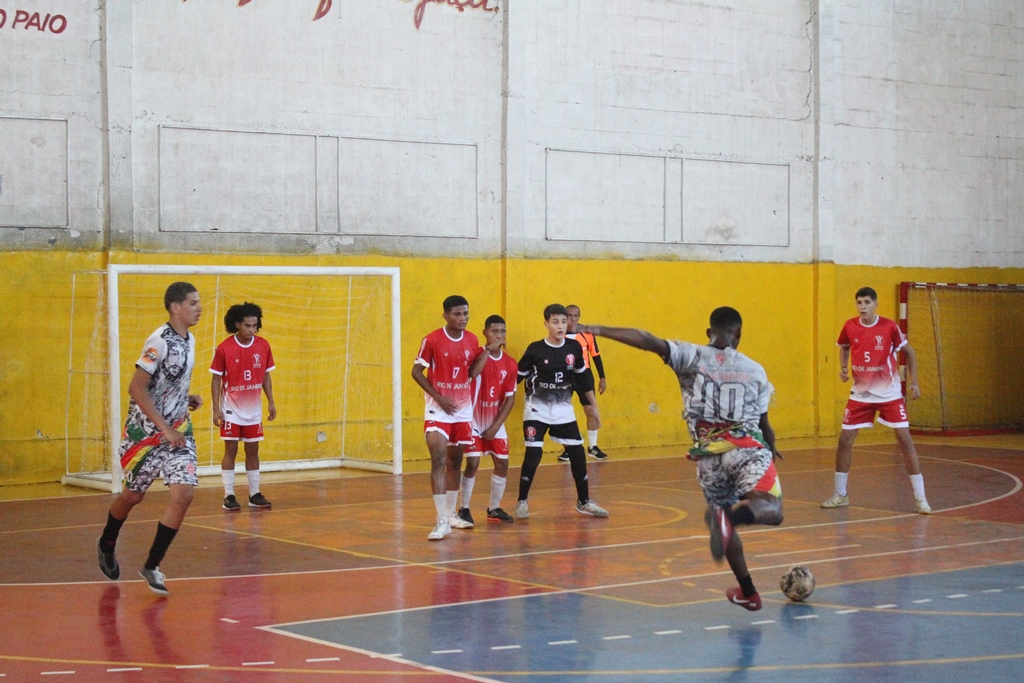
{"points": [[240, 312]]}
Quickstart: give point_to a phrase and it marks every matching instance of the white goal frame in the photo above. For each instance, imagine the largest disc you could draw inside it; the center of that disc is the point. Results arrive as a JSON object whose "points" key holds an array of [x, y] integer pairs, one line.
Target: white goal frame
{"points": [[114, 360]]}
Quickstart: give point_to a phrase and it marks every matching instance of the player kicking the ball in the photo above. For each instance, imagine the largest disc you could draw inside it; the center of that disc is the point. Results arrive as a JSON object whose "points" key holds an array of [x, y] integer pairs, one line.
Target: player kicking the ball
{"points": [[494, 394], [726, 399]]}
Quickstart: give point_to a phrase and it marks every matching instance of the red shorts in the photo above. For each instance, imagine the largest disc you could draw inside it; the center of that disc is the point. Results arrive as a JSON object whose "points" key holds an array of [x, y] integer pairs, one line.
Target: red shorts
{"points": [[457, 433], [496, 447], [860, 415], [229, 431]]}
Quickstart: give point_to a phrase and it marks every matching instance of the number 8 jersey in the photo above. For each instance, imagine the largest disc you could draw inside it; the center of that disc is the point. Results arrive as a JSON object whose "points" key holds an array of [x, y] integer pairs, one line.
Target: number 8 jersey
{"points": [[721, 388]]}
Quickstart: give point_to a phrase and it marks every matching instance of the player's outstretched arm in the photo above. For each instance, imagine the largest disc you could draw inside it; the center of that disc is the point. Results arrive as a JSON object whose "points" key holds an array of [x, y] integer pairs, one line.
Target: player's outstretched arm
{"points": [[630, 336]]}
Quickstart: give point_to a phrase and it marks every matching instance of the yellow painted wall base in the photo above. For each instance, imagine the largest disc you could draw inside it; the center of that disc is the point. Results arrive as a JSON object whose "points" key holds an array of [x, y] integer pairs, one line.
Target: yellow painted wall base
{"points": [[792, 314]]}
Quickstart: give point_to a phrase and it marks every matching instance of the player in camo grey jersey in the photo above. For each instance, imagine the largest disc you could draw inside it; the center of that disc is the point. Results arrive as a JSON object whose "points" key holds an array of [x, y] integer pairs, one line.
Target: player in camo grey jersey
{"points": [[726, 397], [158, 434]]}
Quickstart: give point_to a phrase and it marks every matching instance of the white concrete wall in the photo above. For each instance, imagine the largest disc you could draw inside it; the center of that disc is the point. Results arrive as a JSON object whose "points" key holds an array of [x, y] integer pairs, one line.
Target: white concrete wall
{"points": [[639, 129]]}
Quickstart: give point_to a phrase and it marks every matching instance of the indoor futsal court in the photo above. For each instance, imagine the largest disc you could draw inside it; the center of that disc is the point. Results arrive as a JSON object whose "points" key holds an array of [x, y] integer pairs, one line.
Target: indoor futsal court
{"points": [[338, 582]]}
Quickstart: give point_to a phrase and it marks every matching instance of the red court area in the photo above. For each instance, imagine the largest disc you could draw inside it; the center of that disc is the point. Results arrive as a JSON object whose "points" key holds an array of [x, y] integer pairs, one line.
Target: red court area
{"points": [[338, 580]]}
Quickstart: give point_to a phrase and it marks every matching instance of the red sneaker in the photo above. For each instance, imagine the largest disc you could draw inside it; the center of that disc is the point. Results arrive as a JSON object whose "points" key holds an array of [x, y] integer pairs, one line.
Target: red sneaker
{"points": [[735, 595], [721, 532]]}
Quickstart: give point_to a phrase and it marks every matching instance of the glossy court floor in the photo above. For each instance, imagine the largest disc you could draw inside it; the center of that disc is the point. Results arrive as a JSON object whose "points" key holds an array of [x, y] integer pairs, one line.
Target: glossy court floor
{"points": [[338, 581]]}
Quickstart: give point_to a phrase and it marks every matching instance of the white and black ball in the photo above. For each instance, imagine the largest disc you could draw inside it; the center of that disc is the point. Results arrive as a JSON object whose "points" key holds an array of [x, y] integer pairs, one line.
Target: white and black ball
{"points": [[797, 584]]}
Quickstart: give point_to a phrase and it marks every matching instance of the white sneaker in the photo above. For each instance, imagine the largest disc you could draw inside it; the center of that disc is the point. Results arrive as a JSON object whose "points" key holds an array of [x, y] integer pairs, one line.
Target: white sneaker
{"points": [[457, 522], [591, 508], [836, 501], [522, 510], [441, 529], [922, 506]]}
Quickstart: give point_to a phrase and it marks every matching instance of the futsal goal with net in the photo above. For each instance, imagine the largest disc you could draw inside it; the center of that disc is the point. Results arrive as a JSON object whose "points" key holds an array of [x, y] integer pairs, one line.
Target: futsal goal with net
{"points": [[335, 335], [969, 341]]}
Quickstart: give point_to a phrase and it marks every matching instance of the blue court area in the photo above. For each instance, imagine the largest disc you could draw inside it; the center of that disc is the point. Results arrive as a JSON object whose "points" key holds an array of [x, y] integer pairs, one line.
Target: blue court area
{"points": [[959, 626]]}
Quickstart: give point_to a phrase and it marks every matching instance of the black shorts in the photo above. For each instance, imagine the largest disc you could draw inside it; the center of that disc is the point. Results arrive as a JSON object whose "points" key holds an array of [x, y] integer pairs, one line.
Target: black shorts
{"points": [[584, 383], [567, 434]]}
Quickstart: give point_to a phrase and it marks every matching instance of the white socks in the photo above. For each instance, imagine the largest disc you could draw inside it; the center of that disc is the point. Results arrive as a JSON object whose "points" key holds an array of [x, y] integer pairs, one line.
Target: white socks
{"points": [[451, 500], [254, 481], [441, 503], [592, 437], [841, 478], [228, 477], [497, 491], [917, 481], [467, 489]]}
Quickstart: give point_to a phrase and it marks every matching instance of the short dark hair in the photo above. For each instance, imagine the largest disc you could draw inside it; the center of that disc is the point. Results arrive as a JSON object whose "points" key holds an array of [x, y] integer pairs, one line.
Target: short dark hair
{"points": [[240, 312], [868, 292], [554, 309], [177, 292], [573, 306], [493, 320], [726, 318], [453, 301]]}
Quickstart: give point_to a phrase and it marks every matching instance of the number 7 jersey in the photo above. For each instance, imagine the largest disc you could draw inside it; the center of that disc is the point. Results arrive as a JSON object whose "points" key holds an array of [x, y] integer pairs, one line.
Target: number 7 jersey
{"points": [[447, 361]]}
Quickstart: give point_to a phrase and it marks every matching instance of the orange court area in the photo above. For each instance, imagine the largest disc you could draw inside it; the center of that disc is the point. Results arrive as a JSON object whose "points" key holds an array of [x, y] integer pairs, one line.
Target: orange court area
{"points": [[338, 581]]}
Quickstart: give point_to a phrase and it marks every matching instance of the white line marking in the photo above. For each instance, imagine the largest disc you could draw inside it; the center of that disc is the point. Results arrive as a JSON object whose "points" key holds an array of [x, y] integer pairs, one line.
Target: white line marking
{"points": [[616, 637], [889, 606], [993, 590], [956, 595], [257, 663], [810, 550], [921, 601], [323, 659], [762, 622], [807, 616], [715, 628], [394, 654], [847, 611], [506, 647], [55, 673], [667, 633], [193, 666], [445, 652], [562, 642], [127, 668], [228, 621]]}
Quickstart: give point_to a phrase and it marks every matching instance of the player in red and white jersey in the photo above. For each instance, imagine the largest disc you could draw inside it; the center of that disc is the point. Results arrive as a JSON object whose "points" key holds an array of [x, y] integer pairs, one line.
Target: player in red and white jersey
{"points": [[868, 345], [442, 371], [241, 371], [494, 394]]}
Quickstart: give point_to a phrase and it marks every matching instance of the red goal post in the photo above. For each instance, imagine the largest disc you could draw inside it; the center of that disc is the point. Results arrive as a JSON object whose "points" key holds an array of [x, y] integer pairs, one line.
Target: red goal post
{"points": [[968, 339]]}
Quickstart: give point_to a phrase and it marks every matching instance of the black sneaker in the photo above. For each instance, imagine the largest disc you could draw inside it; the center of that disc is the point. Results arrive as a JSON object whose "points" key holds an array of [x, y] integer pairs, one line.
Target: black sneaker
{"points": [[155, 579], [257, 500], [597, 453], [231, 503], [108, 562], [465, 515], [564, 457], [498, 515]]}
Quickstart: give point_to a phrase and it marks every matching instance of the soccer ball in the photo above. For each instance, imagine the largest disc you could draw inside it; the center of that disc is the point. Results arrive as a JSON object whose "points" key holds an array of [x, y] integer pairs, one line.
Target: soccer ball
{"points": [[797, 584]]}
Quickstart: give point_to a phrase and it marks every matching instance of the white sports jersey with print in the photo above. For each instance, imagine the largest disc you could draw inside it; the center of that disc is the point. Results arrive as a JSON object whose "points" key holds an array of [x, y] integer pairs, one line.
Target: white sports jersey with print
{"points": [[720, 385], [873, 359], [168, 358], [243, 369]]}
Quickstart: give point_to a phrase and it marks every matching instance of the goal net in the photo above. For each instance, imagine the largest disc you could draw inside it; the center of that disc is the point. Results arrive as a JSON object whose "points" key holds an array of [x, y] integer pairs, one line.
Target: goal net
{"points": [[335, 337], [968, 340]]}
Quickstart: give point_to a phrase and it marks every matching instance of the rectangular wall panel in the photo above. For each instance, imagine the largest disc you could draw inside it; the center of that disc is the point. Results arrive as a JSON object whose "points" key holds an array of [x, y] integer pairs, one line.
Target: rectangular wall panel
{"points": [[233, 181], [611, 197], [33, 173], [735, 203], [393, 187]]}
